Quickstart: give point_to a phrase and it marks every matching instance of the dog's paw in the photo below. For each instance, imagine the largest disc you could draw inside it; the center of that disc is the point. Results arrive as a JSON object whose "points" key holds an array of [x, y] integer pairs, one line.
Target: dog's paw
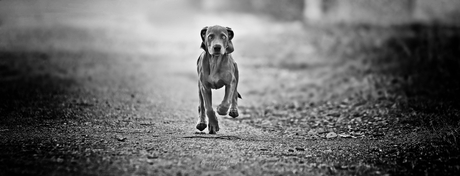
{"points": [[222, 110], [213, 128], [233, 112], [213, 125], [201, 126]]}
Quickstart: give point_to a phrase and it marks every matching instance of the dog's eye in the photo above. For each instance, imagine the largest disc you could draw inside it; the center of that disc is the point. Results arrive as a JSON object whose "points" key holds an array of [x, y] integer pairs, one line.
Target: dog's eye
{"points": [[224, 37], [210, 37]]}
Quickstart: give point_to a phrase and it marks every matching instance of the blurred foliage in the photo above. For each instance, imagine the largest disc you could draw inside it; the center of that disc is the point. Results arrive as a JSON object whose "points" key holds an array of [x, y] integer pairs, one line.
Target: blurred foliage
{"points": [[281, 10]]}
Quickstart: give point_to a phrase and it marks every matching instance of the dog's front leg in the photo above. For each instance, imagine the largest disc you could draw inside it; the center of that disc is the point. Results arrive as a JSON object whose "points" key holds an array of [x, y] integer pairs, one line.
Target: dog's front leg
{"points": [[201, 125], [230, 91], [213, 125]]}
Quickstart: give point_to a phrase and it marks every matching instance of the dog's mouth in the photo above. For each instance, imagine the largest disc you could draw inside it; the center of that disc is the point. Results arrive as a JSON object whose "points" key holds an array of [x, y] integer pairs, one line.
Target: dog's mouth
{"points": [[216, 53]]}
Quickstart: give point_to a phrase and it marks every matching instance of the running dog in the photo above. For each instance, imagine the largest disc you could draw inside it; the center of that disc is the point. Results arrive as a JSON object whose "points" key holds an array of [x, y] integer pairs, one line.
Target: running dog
{"points": [[216, 69]]}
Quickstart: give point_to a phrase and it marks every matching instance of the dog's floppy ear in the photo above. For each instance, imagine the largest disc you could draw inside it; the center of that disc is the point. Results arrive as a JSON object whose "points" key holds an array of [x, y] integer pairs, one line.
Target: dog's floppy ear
{"points": [[230, 47], [203, 35], [230, 32]]}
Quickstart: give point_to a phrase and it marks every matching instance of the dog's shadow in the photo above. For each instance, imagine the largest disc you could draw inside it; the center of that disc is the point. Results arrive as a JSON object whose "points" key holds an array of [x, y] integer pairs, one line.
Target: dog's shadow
{"points": [[204, 136]]}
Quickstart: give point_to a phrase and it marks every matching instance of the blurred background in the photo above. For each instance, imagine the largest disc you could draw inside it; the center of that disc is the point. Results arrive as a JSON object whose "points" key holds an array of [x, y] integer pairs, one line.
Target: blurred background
{"points": [[325, 11], [362, 68]]}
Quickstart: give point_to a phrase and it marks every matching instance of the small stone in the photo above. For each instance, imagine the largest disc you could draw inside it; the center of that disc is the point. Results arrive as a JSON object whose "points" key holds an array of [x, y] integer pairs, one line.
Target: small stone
{"points": [[334, 114], [299, 149], [331, 135], [343, 135], [152, 156], [121, 139], [150, 161], [59, 160]]}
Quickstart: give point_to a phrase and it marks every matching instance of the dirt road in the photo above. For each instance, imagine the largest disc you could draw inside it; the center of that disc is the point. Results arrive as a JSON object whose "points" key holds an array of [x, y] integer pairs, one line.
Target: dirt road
{"points": [[112, 90]]}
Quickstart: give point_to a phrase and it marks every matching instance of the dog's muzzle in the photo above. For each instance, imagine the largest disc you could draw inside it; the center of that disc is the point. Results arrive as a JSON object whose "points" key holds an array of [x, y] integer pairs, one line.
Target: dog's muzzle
{"points": [[217, 49]]}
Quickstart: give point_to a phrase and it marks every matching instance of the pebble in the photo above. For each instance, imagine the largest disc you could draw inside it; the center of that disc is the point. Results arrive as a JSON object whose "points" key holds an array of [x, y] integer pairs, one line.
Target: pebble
{"points": [[299, 149], [331, 135]]}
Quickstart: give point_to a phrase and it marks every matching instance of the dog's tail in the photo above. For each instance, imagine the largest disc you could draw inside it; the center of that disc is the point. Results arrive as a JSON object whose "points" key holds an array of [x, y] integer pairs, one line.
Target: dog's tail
{"points": [[239, 95]]}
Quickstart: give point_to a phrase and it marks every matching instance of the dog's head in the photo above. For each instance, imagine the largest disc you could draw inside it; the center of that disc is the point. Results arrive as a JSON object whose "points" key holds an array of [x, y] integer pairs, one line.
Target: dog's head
{"points": [[216, 40]]}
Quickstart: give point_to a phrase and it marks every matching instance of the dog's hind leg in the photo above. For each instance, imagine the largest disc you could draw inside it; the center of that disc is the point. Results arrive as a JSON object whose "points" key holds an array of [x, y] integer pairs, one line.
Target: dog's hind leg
{"points": [[234, 107], [201, 125], [229, 100]]}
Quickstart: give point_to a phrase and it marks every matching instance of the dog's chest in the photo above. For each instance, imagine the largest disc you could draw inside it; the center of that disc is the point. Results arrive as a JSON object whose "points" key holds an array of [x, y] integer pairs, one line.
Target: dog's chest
{"points": [[215, 81], [216, 72]]}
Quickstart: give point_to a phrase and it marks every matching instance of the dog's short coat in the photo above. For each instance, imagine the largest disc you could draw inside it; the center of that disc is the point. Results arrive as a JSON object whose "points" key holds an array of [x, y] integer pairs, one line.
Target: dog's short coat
{"points": [[216, 68]]}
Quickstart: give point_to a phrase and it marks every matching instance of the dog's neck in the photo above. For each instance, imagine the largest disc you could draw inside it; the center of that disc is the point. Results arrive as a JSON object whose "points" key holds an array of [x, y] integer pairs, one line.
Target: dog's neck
{"points": [[215, 63]]}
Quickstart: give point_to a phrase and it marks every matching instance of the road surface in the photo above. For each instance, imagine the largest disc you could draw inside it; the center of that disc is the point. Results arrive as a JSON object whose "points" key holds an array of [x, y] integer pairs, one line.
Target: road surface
{"points": [[98, 88]]}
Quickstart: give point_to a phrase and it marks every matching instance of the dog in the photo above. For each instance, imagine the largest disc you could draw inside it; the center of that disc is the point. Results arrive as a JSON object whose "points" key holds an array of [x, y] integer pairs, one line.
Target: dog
{"points": [[216, 69]]}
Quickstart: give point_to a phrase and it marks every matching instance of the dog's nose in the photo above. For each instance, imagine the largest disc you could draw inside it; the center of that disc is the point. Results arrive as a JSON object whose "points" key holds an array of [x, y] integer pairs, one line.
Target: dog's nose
{"points": [[217, 47]]}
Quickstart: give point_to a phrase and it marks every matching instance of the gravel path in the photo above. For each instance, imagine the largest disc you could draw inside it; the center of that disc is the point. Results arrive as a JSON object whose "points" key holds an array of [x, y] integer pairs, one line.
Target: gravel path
{"points": [[111, 89]]}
